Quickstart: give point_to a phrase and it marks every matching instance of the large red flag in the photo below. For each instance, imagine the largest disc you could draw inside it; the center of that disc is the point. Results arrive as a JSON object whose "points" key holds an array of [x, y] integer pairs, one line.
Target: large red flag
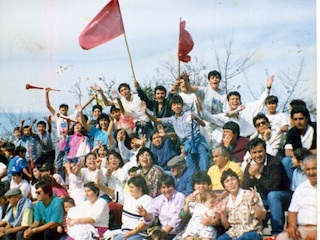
{"points": [[185, 43], [106, 26]]}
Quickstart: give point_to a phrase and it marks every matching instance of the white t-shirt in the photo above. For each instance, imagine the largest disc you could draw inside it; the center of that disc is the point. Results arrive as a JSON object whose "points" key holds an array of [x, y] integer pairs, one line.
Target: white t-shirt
{"points": [[213, 101], [24, 186]]}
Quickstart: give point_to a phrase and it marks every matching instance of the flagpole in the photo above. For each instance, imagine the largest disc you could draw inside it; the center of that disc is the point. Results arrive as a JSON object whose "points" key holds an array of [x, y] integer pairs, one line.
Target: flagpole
{"points": [[178, 56], [130, 59], [127, 46]]}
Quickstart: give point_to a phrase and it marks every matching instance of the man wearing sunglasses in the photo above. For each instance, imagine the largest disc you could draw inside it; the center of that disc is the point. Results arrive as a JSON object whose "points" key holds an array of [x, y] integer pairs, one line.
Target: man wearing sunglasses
{"points": [[271, 135]]}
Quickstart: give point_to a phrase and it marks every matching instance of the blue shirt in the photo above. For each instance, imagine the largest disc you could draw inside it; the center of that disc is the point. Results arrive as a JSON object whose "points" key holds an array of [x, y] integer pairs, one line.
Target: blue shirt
{"points": [[99, 136], [184, 183], [182, 125], [53, 212], [297, 178], [164, 153], [16, 161]]}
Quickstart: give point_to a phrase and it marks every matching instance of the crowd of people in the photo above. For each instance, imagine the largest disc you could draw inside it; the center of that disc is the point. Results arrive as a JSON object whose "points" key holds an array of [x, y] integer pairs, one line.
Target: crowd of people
{"points": [[190, 163]]}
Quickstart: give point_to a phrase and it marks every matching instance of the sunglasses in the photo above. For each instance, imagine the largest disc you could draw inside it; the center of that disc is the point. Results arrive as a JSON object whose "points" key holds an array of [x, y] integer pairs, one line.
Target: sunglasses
{"points": [[261, 123]]}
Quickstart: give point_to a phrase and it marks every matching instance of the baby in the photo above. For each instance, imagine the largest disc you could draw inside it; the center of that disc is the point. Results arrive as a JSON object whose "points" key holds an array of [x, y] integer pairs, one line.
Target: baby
{"points": [[206, 206]]}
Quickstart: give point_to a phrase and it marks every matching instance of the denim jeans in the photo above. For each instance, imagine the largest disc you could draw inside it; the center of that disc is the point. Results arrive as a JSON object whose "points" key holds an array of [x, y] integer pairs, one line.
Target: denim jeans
{"points": [[277, 202], [59, 161], [287, 163], [199, 160], [245, 236]]}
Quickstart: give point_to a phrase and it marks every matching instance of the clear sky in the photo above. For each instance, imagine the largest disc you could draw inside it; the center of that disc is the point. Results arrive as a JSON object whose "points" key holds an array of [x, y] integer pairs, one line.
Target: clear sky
{"points": [[38, 36]]}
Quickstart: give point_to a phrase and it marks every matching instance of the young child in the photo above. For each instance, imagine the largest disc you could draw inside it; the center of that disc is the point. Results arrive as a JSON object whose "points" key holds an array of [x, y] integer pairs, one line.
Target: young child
{"points": [[186, 126], [206, 206], [44, 136], [122, 120], [297, 160], [30, 141], [17, 137], [20, 161], [68, 203], [164, 146], [276, 119], [76, 189], [101, 152], [73, 142]]}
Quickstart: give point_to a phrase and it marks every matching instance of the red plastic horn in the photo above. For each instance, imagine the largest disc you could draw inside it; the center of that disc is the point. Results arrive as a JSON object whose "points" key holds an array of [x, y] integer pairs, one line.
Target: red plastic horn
{"points": [[28, 86]]}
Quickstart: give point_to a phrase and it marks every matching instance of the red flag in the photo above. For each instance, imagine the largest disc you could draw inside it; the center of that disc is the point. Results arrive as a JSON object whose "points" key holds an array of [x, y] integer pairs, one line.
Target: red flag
{"points": [[185, 43], [106, 26]]}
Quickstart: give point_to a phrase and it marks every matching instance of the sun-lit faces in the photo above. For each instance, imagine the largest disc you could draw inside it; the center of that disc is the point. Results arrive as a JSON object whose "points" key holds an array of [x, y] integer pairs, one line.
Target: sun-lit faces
{"points": [[167, 191], [113, 162], [300, 121], [90, 195], [258, 154], [272, 107], [157, 140], [90, 162], [262, 125], [116, 114], [96, 113], [210, 203], [310, 169], [77, 127], [200, 187], [17, 134], [145, 160], [228, 132], [218, 159], [36, 173], [13, 200], [176, 108], [104, 123], [64, 110], [135, 191], [41, 128], [214, 82], [231, 184], [234, 102], [160, 96], [125, 92], [102, 152], [295, 161], [67, 206]]}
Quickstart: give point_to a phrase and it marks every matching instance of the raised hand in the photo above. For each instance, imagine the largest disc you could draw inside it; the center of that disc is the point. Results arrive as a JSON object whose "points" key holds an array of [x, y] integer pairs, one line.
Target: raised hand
{"points": [[161, 131], [141, 210], [270, 81], [96, 87]]}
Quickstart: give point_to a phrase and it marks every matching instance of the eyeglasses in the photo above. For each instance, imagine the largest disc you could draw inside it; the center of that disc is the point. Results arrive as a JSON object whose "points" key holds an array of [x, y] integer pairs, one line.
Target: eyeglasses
{"points": [[261, 123]]}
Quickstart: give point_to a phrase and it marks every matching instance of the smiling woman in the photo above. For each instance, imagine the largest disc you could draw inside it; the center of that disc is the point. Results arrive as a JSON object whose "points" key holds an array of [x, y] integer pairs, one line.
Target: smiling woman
{"points": [[169, 199], [151, 172], [248, 224]]}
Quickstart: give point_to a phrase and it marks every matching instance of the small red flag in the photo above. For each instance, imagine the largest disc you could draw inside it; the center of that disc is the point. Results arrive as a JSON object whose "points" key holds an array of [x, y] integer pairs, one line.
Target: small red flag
{"points": [[185, 43], [106, 26]]}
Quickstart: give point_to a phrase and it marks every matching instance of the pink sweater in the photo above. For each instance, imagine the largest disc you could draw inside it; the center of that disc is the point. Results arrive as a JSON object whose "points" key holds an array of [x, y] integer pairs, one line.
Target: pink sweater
{"points": [[71, 144]]}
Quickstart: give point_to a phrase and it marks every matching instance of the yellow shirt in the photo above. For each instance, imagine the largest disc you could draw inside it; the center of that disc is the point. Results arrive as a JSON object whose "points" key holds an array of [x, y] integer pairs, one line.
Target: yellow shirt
{"points": [[27, 216], [215, 174]]}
